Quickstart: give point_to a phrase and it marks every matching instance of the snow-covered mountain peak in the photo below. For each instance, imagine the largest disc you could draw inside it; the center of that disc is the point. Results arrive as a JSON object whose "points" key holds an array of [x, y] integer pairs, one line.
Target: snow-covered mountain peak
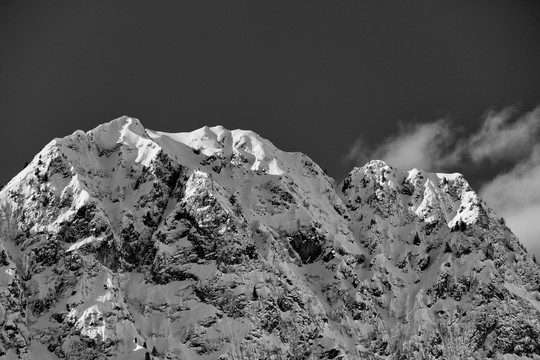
{"points": [[124, 129], [377, 164], [214, 244], [432, 197], [238, 146]]}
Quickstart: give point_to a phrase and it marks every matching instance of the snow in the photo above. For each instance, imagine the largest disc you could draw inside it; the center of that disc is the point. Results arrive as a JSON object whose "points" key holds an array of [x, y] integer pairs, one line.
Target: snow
{"points": [[82, 199], [117, 131], [108, 296], [40, 352], [222, 143], [10, 272], [109, 283], [82, 242], [88, 323], [452, 176], [274, 168]]}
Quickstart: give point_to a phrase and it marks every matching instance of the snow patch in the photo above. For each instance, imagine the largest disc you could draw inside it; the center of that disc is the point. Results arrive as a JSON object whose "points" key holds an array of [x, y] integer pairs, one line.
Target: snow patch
{"points": [[85, 241], [10, 272]]}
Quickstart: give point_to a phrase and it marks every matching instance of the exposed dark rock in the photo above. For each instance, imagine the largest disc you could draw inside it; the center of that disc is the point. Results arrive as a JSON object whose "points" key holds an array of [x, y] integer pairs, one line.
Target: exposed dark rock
{"points": [[308, 247]]}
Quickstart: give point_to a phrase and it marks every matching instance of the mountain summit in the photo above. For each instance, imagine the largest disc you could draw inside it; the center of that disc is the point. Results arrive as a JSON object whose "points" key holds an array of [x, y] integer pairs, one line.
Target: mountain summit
{"points": [[128, 243]]}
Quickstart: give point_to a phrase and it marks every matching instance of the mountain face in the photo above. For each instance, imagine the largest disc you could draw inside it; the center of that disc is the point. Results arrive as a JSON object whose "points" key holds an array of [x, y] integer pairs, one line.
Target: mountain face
{"points": [[127, 243]]}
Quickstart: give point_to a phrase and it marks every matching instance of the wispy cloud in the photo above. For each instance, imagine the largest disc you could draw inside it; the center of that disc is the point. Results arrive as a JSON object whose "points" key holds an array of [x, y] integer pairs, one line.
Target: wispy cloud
{"points": [[419, 145], [503, 136], [359, 153], [515, 195]]}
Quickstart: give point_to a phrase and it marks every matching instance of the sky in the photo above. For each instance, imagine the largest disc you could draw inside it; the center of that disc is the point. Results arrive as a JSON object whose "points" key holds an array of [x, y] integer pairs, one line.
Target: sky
{"points": [[447, 86]]}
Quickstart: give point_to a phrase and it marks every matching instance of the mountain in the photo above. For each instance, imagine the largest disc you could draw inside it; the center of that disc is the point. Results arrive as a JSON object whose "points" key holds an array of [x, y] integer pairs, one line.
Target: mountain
{"points": [[128, 243]]}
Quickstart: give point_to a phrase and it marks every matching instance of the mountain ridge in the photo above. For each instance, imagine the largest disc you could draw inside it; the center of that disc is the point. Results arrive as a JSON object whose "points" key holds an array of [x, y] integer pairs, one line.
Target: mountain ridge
{"points": [[216, 244]]}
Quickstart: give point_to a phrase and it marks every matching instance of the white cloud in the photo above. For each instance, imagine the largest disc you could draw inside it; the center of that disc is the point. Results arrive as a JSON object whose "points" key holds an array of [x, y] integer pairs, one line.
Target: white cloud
{"points": [[417, 146], [421, 146], [524, 224], [519, 185], [434, 147], [502, 138], [358, 153], [515, 195]]}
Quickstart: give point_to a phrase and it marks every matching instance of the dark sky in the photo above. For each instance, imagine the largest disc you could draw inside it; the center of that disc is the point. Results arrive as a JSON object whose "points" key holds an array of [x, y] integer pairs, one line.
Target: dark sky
{"points": [[310, 76]]}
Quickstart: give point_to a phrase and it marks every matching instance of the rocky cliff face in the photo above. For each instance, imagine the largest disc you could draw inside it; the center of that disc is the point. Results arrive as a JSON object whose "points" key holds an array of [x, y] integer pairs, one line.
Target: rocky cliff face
{"points": [[127, 243]]}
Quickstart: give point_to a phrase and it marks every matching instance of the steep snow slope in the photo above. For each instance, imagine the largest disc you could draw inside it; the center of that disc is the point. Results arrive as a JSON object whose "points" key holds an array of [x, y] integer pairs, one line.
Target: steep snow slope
{"points": [[216, 244]]}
